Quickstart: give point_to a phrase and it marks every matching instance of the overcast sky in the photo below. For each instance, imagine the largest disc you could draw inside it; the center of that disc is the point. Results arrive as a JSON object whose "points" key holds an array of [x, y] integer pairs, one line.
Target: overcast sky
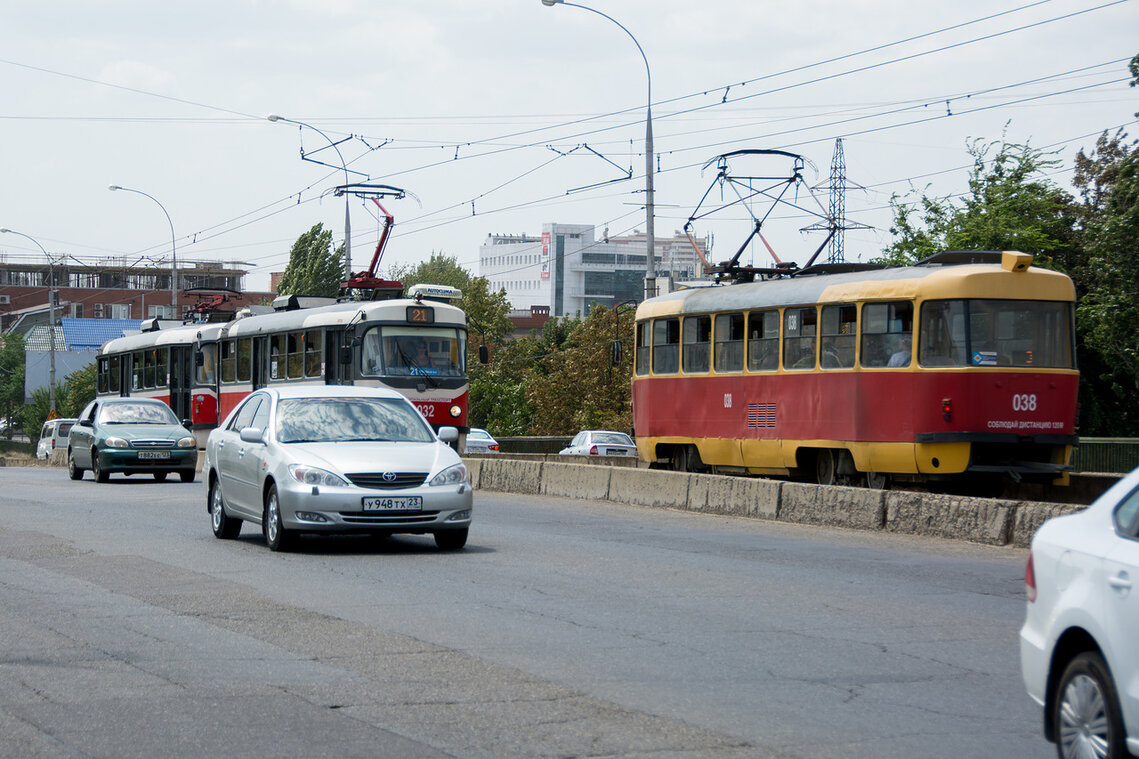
{"points": [[482, 111]]}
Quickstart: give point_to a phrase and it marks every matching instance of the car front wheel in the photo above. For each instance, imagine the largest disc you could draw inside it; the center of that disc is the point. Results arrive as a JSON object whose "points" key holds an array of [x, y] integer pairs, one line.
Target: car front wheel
{"points": [[451, 540], [278, 538], [1087, 717], [97, 471], [224, 526]]}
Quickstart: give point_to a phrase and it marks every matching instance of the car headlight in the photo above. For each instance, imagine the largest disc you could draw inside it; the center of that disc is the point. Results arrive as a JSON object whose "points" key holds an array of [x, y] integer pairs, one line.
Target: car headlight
{"points": [[310, 475], [116, 442], [452, 475], [187, 442]]}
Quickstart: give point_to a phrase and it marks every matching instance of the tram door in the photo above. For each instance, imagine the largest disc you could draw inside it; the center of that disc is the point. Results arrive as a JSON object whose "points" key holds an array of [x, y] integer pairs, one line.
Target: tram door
{"points": [[181, 380], [260, 361]]}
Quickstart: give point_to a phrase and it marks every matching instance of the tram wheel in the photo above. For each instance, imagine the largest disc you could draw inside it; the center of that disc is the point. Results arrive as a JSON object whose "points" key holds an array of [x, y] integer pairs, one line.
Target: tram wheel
{"points": [[826, 467], [877, 480]]}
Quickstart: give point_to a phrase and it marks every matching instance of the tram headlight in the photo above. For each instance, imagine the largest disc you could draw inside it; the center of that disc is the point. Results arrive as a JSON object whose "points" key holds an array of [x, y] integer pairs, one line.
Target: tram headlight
{"points": [[456, 411]]}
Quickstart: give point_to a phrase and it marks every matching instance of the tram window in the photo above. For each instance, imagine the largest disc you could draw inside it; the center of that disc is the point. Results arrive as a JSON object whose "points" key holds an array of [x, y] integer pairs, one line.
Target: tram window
{"points": [[413, 351], [113, 379], [277, 356], [887, 333], [644, 348], [229, 361], [314, 350], [101, 376], [295, 343], [729, 342], [666, 346], [996, 333], [697, 351], [162, 367], [204, 372], [148, 372], [763, 341], [137, 370], [840, 328], [244, 359], [800, 327]]}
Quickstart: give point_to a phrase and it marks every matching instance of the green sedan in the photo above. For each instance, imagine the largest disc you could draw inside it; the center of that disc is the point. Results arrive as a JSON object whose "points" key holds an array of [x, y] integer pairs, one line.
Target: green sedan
{"points": [[131, 436]]}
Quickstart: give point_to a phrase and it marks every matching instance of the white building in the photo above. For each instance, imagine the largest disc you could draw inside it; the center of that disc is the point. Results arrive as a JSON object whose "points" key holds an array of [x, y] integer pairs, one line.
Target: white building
{"points": [[568, 268]]}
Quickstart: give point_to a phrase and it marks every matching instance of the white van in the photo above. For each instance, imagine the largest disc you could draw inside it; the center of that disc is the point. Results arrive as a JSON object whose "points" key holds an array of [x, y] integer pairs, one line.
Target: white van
{"points": [[52, 436]]}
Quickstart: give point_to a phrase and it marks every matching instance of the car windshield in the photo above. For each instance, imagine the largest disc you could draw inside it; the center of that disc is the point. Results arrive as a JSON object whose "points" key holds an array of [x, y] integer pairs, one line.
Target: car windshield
{"points": [[136, 413], [341, 420], [618, 438], [479, 434]]}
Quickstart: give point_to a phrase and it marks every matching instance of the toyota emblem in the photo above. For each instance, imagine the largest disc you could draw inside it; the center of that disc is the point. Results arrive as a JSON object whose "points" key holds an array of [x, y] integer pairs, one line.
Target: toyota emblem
{"points": [[389, 476]]}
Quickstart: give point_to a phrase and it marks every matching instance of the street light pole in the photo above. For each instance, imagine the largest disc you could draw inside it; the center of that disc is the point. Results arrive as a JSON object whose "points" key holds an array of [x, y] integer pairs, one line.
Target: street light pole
{"points": [[650, 262], [347, 217], [173, 252], [51, 318]]}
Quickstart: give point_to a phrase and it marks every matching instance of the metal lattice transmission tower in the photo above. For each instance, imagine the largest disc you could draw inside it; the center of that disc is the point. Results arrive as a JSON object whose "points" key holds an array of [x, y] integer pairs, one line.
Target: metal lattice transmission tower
{"points": [[836, 214]]}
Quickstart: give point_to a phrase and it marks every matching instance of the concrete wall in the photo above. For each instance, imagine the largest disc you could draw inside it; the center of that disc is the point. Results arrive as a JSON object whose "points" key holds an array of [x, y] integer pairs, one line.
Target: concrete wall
{"points": [[979, 520]]}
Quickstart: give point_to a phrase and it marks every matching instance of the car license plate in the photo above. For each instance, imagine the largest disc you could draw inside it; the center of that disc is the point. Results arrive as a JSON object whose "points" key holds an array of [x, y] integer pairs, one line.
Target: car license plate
{"points": [[398, 503], [154, 454]]}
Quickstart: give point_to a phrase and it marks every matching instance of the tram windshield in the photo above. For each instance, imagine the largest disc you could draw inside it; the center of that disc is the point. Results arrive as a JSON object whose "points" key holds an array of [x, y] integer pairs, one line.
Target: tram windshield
{"points": [[413, 352], [996, 333]]}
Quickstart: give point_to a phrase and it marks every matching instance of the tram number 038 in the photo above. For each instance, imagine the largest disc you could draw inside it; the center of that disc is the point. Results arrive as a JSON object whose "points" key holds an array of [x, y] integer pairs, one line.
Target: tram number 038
{"points": [[428, 409], [1024, 402]]}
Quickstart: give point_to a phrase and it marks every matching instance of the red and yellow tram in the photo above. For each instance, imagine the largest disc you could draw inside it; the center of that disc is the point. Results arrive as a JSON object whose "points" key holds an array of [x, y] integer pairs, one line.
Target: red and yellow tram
{"points": [[962, 366]]}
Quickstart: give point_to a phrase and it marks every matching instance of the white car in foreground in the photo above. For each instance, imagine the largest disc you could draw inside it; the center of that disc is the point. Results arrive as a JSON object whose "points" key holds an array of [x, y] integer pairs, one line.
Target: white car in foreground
{"points": [[334, 458], [1079, 646]]}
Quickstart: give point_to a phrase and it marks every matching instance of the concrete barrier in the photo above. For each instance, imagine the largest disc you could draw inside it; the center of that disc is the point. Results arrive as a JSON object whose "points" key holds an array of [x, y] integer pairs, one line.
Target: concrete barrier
{"points": [[1029, 516], [979, 520], [859, 508], [523, 477], [741, 496], [576, 481], [649, 487]]}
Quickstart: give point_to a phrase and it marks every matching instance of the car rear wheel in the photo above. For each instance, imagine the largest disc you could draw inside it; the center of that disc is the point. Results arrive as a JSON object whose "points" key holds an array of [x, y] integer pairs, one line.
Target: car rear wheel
{"points": [[224, 526], [160, 476], [1087, 718], [97, 471], [451, 540], [187, 475], [73, 471], [278, 538]]}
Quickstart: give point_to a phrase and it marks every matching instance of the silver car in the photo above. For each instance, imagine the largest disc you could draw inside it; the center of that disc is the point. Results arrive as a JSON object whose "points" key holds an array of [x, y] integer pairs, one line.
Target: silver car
{"points": [[335, 458], [480, 441], [600, 443]]}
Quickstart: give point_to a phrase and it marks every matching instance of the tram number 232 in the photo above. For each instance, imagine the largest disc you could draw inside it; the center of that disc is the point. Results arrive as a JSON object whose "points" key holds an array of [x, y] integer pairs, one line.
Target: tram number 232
{"points": [[1021, 402]]}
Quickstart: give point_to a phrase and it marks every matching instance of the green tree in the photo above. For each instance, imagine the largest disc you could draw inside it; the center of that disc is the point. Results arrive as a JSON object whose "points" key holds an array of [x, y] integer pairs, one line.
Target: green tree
{"points": [[1010, 205], [576, 386], [78, 390], [12, 382], [1108, 312], [314, 268]]}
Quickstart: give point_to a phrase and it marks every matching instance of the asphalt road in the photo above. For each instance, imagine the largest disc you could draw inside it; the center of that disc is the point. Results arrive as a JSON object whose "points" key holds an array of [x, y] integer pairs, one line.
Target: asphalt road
{"points": [[565, 629]]}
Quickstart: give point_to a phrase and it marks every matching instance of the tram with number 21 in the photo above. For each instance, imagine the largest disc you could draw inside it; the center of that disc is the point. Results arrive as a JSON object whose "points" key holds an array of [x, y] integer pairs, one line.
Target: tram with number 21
{"points": [[414, 345], [959, 368]]}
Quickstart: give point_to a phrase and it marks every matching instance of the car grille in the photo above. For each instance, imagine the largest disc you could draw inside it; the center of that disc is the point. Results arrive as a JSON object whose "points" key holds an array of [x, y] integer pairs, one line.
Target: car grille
{"points": [[152, 444], [369, 518], [387, 480]]}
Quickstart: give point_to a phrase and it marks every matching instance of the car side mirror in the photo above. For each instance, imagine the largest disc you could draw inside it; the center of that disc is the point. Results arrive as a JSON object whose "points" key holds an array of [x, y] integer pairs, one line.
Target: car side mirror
{"points": [[186, 423], [448, 434], [346, 355], [85, 423], [252, 435]]}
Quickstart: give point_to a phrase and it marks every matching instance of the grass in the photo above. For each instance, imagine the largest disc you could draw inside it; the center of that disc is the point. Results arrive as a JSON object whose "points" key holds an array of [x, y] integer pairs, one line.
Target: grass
{"points": [[11, 446]]}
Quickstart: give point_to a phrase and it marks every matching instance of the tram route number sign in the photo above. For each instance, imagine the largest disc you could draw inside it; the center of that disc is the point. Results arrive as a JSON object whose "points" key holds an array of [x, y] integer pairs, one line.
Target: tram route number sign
{"points": [[421, 314]]}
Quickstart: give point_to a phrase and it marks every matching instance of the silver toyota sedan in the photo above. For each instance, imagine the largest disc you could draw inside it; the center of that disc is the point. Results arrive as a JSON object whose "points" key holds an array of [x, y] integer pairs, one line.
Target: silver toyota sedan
{"points": [[335, 458]]}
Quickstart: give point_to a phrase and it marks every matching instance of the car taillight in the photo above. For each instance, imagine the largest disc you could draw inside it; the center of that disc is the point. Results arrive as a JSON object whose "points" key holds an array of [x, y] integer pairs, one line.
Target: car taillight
{"points": [[493, 446], [1030, 580], [593, 451]]}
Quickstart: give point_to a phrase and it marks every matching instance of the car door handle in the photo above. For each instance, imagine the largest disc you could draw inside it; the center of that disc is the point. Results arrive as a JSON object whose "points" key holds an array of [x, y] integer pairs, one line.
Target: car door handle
{"points": [[1120, 582], [240, 452], [221, 444]]}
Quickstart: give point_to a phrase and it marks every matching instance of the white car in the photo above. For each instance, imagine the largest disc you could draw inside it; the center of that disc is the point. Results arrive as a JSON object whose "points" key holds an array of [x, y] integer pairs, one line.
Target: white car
{"points": [[480, 441], [1079, 646], [600, 443], [335, 458], [52, 436]]}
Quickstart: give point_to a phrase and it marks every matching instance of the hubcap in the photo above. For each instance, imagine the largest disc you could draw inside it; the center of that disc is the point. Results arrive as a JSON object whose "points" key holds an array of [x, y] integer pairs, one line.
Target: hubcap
{"points": [[1084, 730], [215, 502], [271, 520]]}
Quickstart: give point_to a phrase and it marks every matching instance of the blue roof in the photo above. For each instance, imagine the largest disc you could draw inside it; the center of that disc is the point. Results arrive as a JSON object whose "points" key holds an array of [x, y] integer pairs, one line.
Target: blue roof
{"points": [[89, 334]]}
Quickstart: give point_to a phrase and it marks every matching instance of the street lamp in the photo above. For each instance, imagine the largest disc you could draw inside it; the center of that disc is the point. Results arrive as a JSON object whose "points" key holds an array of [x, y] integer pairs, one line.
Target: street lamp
{"points": [[173, 253], [51, 318], [650, 264], [347, 217]]}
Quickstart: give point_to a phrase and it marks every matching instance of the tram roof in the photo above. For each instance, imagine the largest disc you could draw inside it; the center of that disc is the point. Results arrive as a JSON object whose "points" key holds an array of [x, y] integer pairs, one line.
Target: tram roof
{"points": [[342, 314], [901, 282]]}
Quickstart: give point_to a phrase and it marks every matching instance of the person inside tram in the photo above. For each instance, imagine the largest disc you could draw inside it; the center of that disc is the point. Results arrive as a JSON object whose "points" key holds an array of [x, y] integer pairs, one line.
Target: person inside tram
{"points": [[901, 356]]}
